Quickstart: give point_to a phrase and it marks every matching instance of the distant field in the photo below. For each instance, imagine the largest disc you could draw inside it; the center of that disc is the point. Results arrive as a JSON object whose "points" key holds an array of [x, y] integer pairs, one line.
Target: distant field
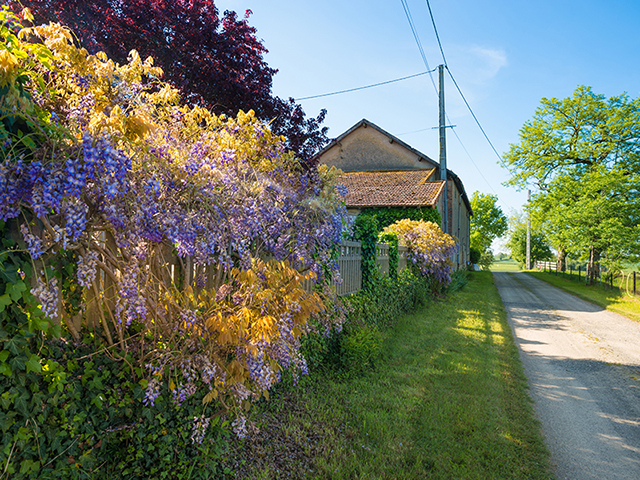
{"points": [[509, 265]]}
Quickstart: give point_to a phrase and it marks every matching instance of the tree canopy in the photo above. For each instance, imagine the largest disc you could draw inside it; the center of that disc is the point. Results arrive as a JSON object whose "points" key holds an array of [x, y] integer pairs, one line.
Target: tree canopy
{"points": [[583, 155], [574, 135], [216, 61], [487, 223], [517, 243]]}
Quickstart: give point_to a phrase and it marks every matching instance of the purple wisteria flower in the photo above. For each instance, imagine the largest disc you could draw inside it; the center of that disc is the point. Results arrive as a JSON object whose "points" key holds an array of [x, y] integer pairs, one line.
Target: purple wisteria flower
{"points": [[87, 269], [34, 245], [131, 304], [49, 296], [199, 430], [152, 392]]}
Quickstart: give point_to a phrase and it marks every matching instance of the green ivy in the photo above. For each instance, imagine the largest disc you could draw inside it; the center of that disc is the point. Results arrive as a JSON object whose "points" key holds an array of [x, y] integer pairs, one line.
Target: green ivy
{"points": [[391, 239], [366, 232], [69, 412], [386, 216]]}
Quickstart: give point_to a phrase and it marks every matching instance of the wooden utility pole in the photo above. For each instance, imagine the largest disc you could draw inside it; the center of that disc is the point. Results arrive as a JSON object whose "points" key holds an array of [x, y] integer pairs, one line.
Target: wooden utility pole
{"points": [[443, 152], [528, 231]]}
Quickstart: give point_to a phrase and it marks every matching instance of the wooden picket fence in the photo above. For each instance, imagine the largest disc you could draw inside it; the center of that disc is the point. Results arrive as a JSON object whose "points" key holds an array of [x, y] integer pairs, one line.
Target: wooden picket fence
{"points": [[350, 265]]}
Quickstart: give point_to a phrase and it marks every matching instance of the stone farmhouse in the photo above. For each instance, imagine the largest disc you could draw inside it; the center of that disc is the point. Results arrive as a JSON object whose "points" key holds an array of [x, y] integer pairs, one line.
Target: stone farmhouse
{"points": [[381, 170]]}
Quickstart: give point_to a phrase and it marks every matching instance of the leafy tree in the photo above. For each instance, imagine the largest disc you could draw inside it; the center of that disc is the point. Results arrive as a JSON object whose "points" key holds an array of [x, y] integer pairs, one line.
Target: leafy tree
{"points": [[216, 61], [517, 243], [583, 155], [595, 216], [487, 223]]}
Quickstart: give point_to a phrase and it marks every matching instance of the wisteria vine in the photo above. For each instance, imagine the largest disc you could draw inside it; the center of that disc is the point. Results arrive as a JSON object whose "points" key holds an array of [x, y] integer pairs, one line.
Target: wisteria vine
{"points": [[169, 210], [429, 248]]}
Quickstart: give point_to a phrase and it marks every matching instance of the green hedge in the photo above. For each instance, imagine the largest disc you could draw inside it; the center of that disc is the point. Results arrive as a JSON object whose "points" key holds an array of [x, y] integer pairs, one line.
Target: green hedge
{"points": [[368, 313], [67, 412], [367, 227]]}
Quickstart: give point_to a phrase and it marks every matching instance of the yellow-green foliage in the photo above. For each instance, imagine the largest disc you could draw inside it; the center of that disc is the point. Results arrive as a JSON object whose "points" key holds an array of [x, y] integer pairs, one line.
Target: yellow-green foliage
{"points": [[265, 305], [143, 222], [430, 249]]}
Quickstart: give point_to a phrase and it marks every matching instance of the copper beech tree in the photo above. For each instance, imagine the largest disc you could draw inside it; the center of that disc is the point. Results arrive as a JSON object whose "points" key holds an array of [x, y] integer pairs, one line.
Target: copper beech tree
{"points": [[215, 60]]}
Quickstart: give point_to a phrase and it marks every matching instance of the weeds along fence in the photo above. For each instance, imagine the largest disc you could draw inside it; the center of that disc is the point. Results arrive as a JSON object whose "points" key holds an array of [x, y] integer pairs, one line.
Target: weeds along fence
{"points": [[625, 282]]}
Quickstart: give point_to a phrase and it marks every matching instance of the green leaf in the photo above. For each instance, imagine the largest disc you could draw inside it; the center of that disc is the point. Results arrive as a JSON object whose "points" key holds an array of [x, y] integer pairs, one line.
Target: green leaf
{"points": [[28, 466], [20, 404], [16, 290], [4, 355], [5, 301], [33, 365], [13, 345], [97, 401], [6, 421]]}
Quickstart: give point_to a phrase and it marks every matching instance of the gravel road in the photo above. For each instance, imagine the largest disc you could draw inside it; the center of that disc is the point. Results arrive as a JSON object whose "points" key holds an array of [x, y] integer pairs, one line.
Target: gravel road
{"points": [[583, 366]]}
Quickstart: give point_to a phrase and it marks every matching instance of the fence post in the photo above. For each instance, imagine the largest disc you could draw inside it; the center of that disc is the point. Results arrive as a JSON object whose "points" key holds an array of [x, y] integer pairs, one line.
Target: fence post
{"points": [[634, 282], [579, 268]]}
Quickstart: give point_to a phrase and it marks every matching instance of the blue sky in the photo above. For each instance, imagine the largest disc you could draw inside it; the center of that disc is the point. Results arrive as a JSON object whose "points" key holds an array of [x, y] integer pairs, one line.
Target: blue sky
{"points": [[505, 55]]}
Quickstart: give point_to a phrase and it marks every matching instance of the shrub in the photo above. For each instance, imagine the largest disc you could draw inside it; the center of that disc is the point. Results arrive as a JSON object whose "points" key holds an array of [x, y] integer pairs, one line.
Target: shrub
{"points": [[474, 255], [365, 314], [138, 225], [430, 249], [458, 280]]}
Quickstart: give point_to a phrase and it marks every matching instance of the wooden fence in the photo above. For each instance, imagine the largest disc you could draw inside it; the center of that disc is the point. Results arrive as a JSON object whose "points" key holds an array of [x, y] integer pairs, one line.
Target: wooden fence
{"points": [[625, 282], [166, 270], [350, 261]]}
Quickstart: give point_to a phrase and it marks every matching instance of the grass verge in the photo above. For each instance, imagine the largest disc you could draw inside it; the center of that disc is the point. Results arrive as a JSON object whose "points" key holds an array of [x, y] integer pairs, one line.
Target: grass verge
{"points": [[509, 265], [613, 300], [448, 400]]}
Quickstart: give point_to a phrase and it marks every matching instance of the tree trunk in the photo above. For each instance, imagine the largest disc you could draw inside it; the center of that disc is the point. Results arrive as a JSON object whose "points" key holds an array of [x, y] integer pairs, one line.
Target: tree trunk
{"points": [[561, 264], [593, 266]]}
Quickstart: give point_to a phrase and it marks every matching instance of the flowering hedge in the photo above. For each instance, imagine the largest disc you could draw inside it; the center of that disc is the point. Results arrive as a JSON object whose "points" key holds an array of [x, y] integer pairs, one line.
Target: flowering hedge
{"points": [[180, 237], [430, 249]]}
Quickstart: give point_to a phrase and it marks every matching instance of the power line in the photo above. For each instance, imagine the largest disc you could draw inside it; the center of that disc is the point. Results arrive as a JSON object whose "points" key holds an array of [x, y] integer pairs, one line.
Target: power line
{"points": [[478, 169], [435, 29], [444, 59], [366, 86], [473, 115], [417, 131], [407, 12]]}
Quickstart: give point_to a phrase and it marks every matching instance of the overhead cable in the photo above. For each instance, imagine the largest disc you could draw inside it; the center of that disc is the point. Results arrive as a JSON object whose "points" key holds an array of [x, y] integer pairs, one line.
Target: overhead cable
{"points": [[474, 115], [478, 169], [407, 12], [444, 60], [366, 86], [435, 29]]}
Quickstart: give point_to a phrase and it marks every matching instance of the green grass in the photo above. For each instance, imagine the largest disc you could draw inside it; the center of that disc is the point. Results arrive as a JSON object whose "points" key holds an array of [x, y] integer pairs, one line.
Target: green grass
{"points": [[509, 265], [613, 300], [448, 401]]}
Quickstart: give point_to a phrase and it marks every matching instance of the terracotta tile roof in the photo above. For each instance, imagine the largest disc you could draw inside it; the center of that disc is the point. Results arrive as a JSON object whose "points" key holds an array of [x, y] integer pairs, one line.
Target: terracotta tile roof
{"points": [[401, 188]]}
